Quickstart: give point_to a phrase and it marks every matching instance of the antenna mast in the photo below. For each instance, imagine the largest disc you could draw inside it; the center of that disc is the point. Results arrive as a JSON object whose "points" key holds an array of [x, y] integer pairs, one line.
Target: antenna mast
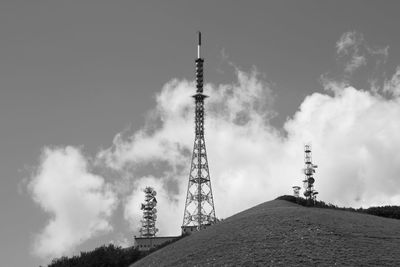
{"points": [[199, 207], [149, 213], [309, 171]]}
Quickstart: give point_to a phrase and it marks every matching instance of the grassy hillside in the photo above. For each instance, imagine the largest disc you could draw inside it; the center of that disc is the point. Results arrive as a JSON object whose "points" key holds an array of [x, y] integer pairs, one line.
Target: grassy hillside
{"points": [[281, 233]]}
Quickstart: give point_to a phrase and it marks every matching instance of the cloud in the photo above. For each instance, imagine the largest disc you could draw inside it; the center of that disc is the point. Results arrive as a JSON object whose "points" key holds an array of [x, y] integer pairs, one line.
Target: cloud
{"points": [[354, 135], [354, 51], [392, 86], [79, 202], [349, 41], [349, 45]]}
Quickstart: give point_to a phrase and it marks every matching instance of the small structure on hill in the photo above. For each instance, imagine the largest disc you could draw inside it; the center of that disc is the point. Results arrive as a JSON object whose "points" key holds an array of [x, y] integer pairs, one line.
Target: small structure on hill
{"points": [[148, 239], [296, 191], [309, 171]]}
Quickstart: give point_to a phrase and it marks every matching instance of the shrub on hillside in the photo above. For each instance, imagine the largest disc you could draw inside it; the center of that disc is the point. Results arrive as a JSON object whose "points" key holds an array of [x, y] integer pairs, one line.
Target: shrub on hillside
{"points": [[110, 256], [384, 211]]}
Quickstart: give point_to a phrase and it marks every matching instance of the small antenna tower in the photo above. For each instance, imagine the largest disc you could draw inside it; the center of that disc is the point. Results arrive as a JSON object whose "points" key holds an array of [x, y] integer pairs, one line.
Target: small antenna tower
{"points": [[148, 228], [309, 171], [199, 205]]}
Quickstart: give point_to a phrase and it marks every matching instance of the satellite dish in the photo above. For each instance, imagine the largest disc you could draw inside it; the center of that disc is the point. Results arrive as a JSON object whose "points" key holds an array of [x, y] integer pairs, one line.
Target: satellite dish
{"points": [[308, 171]]}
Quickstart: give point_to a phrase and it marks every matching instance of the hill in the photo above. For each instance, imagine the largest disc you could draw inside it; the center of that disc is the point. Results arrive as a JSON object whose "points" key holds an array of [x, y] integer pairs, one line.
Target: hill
{"points": [[281, 233]]}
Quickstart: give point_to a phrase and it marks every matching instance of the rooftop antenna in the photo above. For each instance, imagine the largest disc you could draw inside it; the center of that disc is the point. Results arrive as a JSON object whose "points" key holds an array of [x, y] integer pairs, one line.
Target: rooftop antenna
{"points": [[199, 206], [148, 228], [309, 171]]}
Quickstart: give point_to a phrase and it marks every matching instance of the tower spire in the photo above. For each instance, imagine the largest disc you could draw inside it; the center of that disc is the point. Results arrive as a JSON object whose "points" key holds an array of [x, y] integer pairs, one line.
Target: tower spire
{"points": [[199, 46], [199, 206]]}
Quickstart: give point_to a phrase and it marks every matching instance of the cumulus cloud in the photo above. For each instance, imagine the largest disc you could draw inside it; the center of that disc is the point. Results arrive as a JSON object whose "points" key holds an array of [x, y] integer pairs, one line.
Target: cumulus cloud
{"points": [[79, 202]]}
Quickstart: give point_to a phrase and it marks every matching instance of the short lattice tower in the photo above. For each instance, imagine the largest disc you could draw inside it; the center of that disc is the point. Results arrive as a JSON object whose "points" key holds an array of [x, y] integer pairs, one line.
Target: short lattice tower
{"points": [[148, 228]]}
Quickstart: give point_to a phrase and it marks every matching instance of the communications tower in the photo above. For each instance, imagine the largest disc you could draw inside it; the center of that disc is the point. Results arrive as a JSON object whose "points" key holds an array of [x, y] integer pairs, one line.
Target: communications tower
{"points": [[148, 228], [199, 206], [309, 171]]}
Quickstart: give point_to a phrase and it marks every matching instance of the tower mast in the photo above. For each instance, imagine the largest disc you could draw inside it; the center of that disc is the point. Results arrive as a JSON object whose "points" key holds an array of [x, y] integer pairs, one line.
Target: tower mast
{"points": [[309, 171], [199, 206]]}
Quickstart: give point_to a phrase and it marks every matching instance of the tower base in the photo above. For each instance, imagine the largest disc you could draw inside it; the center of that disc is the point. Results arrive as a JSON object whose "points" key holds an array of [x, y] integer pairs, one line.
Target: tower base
{"points": [[193, 228]]}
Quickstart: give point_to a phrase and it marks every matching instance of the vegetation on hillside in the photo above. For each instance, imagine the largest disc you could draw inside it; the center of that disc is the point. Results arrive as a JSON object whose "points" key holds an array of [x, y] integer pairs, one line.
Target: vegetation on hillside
{"points": [[382, 211], [110, 256], [107, 256]]}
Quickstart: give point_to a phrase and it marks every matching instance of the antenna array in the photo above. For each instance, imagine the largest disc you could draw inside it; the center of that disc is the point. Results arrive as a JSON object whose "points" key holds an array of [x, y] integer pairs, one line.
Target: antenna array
{"points": [[148, 228], [309, 171]]}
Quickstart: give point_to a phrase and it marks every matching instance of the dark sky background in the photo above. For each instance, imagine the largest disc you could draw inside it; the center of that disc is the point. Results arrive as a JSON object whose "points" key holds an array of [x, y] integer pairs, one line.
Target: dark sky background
{"points": [[79, 72]]}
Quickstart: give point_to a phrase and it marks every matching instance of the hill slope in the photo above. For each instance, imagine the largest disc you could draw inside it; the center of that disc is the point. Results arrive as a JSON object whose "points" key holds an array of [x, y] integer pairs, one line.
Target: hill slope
{"points": [[283, 233]]}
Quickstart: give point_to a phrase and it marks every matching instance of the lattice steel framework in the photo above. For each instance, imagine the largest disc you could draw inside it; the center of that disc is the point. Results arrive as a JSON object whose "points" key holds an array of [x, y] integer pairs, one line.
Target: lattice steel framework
{"points": [[148, 228], [309, 171], [199, 206]]}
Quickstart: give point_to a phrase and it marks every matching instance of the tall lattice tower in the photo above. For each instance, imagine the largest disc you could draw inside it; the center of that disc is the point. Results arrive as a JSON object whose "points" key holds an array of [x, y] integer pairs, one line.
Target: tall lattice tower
{"points": [[309, 171], [148, 228], [199, 206]]}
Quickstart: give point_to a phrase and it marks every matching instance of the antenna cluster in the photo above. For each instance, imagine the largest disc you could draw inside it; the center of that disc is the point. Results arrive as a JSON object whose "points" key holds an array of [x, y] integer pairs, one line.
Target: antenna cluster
{"points": [[309, 171], [148, 228]]}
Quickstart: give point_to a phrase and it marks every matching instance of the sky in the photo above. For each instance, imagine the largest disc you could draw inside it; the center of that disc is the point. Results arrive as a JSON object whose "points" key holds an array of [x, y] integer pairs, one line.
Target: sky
{"points": [[95, 105]]}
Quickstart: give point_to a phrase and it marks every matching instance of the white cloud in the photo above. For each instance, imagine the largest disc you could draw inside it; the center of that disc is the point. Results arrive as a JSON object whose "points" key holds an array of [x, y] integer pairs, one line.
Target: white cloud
{"points": [[354, 51], [354, 135], [355, 62], [392, 86], [349, 41], [172, 107], [350, 44], [79, 202]]}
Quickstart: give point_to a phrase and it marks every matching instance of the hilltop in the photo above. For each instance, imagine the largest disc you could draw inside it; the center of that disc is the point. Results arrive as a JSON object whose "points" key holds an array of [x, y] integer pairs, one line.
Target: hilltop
{"points": [[281, 233]]}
